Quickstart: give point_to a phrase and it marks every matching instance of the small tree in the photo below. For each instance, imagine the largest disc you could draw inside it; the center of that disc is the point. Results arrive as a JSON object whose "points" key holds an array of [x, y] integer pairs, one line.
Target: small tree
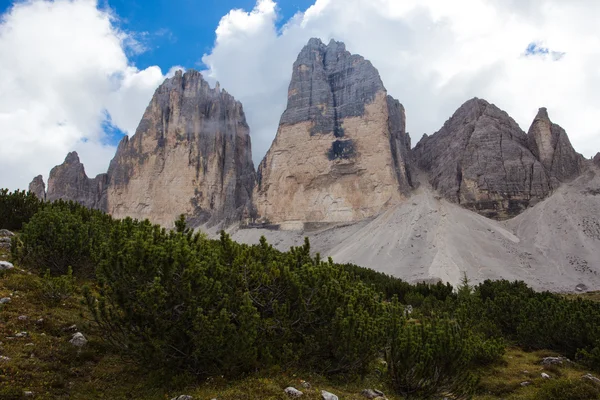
{"points": [[430, 359]]}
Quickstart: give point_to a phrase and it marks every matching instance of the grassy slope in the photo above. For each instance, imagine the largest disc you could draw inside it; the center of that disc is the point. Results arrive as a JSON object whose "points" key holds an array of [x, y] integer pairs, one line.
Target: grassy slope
{"points": [[46, 363]]}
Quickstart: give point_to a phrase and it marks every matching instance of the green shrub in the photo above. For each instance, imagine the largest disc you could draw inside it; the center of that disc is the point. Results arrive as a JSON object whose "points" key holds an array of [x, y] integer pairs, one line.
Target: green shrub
{"points": [[183, 302], [63, 235], [431, 358], [567, 389], [17, 208], [52, 290]]}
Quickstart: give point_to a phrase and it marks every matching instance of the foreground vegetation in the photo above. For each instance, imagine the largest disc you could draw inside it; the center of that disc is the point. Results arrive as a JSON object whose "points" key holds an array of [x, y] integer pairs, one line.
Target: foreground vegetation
{"points": [[173, 312]]}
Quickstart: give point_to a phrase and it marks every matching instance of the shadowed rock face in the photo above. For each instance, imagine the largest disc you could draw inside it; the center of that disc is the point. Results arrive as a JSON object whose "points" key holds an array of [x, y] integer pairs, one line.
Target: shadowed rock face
{"points": [[480, 159], [341, 151], [68, 181], [190, 155], [550, 144], [38, 187], [596, 159]]}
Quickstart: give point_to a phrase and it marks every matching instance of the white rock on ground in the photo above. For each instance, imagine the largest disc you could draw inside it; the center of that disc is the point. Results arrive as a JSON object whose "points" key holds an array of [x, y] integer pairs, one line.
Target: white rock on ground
{"points": [[292, 392], [328, 396], [78, 340], [4, 265]]}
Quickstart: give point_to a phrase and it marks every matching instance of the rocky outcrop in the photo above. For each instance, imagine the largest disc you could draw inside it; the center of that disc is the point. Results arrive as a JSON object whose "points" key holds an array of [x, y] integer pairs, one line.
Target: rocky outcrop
{"points": [[550, 144], [69, 181], [481, 160], [341, 151], [596, 159], [190, 155], [38, 187]]}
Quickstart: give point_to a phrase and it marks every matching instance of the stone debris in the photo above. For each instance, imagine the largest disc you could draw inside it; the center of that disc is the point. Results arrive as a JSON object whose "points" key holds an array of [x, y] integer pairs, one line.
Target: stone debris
{"points": [[328, 395], [4, 265], [78, 340], [372, 393], [292, 392]]}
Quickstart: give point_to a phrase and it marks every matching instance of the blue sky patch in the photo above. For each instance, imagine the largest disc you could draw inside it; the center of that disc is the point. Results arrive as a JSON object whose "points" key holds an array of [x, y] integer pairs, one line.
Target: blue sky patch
{"points": [[536, 49], [113, 135]]}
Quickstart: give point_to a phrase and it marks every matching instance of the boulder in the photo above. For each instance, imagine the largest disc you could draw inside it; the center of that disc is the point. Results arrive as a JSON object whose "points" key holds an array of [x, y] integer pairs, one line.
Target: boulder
{"points": [[4, 265], [328, 396], [6, 233], [372, 393], [341, 152], [78, 340], [5, 300], [183, 397], [545, 375], [591, 378], [292, 392], [554, 361]]}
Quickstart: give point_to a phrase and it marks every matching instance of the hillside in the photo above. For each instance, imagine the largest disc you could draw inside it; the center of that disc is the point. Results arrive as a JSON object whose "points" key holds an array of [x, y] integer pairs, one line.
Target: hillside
{"points": [[554, 245]]}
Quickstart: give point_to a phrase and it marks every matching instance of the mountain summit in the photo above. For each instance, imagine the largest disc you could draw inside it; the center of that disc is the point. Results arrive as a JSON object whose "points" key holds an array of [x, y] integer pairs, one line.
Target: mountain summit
{"points": [[341, 152]]}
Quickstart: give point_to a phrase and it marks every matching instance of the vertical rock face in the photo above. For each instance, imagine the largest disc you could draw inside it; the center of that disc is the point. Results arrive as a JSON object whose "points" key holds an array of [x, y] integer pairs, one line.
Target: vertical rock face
{"points": [[596, 159], [69, 181], [38, 187], [190, 155], [550, 144], [480, 159], [341, 151]]}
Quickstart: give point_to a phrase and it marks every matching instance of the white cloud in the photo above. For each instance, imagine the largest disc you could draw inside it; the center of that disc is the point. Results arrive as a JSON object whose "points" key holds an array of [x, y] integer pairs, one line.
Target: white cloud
{"points": [[431, 55], [64, 65]]}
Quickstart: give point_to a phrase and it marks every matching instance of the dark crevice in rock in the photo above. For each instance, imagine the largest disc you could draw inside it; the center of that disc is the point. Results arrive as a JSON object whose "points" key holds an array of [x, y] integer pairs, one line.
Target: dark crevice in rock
{"points": [[459, 178]]}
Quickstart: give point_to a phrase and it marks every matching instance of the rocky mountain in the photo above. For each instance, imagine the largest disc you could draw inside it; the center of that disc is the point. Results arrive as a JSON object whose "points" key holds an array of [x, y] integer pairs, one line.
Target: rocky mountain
{"points": [[480, 196], [550, 144], [553, 245], [190, 154], [68, 181], [341, 152], [480, 160], [38, 187]]}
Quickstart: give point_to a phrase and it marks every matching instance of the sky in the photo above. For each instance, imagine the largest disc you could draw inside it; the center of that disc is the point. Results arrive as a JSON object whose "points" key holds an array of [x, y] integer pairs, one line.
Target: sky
{"points": [[78, 74]]}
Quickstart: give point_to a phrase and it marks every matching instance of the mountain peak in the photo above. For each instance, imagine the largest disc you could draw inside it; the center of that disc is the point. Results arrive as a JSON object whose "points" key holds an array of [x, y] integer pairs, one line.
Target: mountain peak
{"points": [[542, 114], [341, 138], [551, 145], [72, 158]]}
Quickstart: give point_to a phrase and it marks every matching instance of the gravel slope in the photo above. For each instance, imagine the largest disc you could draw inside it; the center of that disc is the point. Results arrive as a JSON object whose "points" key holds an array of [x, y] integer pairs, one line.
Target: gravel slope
{"points": [[554, 245]]}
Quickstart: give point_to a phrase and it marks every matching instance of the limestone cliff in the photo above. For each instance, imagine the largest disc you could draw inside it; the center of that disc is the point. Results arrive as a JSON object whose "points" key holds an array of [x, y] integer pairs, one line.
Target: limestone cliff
{"points": [[68, 181], [190, 155], [481, 160], [38, 187], [341, 151], [550, 144]]}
